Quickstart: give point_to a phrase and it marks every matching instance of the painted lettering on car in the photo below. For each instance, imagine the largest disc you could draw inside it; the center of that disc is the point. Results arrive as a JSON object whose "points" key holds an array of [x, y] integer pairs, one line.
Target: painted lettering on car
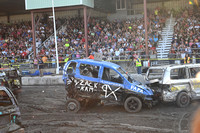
{"points": [[136, 89]]}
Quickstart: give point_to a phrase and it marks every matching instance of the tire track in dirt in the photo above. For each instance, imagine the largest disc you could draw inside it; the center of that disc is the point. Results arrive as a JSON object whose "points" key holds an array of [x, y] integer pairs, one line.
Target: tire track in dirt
{"points": [[45, 112]]}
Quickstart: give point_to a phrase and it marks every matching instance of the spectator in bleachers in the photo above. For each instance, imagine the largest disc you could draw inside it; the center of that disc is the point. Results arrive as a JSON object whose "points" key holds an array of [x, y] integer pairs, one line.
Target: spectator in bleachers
{"points": [[187, 33], [109, 38]]}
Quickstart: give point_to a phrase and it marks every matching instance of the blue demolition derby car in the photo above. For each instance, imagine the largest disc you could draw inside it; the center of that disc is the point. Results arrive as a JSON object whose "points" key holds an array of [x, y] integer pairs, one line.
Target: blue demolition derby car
{"points": [[89, 82]]}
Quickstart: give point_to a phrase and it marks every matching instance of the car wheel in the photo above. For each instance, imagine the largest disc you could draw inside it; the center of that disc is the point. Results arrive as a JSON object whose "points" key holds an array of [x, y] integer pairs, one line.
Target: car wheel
{"points": [[132, 104], [182, 100], [73, 105]]}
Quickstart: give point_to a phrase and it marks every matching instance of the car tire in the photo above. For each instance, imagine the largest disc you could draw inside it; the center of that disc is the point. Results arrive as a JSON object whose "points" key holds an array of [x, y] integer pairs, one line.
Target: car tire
{"points": [[132, 104], [183, 100], [73, 105]]}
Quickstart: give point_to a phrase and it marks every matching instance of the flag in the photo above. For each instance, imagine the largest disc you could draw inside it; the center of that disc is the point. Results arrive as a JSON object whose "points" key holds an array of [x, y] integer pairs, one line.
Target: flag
{"points": [[190, 2]]}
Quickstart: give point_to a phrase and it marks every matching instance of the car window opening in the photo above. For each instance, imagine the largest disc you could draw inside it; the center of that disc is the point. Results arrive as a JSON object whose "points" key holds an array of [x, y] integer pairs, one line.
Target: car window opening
{"points": [[111, 75], [178, 73], [4, 99], [71, 68], [193, 72], [89, 70], [155, 74]]}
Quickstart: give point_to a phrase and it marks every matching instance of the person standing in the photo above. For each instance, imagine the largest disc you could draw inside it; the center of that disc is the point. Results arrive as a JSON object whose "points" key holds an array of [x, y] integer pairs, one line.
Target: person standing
{"points": [[53, 60], [138, 64], [186, 59], [35, 63], [91, 56], [66, 59], [40, 65], [171, 57], [44, 60]]}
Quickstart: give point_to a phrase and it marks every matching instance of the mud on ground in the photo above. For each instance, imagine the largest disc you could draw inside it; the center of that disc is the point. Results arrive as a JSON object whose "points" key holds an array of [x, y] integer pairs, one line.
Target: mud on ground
{"points": [[43, 111]]}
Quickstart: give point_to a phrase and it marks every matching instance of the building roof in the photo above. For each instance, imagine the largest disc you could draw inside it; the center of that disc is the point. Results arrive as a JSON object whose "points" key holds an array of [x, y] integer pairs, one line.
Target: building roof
{"points": [[12, 7], [15, 7]]}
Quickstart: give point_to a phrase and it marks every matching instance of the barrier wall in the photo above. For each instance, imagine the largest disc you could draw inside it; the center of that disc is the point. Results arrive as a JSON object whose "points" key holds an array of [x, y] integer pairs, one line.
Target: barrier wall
{"points": [[44, 80]]}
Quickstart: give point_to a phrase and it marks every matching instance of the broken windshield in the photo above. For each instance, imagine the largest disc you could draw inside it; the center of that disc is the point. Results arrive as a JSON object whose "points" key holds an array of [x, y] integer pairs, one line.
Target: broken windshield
{"points": [[127, 76], [155, 74]]}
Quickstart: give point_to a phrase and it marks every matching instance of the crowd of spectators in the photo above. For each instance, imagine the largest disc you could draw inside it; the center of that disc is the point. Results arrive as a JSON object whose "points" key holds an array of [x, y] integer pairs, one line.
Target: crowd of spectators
{"points": [[16, 38], [186, 38], [111, 38]]}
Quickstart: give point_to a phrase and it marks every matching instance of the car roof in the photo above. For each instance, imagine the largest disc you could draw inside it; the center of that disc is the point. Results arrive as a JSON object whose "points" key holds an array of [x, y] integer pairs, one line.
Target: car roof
{"points": [[98, 63], [175, 66], [159, 67]]}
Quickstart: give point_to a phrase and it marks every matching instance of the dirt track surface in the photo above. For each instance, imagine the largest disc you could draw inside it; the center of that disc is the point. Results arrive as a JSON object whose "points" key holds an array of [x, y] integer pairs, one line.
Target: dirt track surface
{"points": [[43, 111]]}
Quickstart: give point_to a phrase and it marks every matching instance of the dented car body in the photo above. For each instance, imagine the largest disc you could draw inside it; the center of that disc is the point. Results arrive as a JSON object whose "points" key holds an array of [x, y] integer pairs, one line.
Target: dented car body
{"points": [[91, 82], [11, 78], [10, 117], [175, 83]]}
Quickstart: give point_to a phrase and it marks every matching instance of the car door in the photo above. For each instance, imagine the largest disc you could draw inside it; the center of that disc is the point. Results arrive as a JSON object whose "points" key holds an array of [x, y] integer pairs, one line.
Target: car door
{"points": [[111, 83], [194, 80], [179, 79], [87, 78]]}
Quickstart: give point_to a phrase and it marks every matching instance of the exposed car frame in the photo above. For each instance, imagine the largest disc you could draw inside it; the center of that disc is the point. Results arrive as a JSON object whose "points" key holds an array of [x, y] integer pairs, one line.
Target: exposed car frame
{"points": [[11, 78]]}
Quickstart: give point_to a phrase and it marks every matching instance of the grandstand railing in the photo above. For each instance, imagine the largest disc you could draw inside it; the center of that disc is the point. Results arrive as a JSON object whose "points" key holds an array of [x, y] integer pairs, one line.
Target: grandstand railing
{"points": [[48, 39], [146, 61]]}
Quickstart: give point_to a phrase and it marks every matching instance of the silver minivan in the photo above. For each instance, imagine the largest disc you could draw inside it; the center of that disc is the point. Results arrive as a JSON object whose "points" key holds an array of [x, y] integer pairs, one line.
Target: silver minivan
{"points": [[175, 83]]}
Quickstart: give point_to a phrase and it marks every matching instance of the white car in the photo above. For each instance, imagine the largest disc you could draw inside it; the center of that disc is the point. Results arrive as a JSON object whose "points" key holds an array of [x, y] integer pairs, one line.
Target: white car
{"points": [[175, 83]]}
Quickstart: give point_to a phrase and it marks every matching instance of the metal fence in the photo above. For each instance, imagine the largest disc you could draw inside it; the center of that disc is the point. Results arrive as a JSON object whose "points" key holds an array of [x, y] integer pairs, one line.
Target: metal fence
{"points": [[146, 62]]}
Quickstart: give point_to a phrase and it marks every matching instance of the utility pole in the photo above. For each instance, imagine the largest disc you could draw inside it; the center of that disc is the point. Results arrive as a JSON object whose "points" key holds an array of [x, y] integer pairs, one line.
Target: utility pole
{"points": [[54, 25], [145, 24]]}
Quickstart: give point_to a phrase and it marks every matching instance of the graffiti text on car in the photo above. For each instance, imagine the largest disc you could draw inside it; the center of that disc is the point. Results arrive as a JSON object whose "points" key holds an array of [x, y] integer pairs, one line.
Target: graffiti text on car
{"points": [[85, 85], [108, 91]]}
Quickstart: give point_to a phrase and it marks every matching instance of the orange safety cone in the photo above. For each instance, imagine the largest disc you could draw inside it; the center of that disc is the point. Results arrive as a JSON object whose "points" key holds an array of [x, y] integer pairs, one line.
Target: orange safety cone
{"points": [[148, 63]]}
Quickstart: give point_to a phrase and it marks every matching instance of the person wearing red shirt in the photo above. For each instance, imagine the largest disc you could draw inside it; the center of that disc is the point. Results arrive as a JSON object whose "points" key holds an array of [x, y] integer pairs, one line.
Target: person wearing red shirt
{"points": [[129, 49], [13, 54], [91, 56], [24, 54]]}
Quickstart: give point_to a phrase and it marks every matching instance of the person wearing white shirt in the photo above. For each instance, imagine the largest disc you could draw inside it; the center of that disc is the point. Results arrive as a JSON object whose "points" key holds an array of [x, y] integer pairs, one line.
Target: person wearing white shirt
{"points": [[117, 53], [121, 50], [182, 56]]}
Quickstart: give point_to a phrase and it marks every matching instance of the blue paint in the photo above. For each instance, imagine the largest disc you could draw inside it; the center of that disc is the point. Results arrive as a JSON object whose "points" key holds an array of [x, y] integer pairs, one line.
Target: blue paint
{"points": [[135, 86]]}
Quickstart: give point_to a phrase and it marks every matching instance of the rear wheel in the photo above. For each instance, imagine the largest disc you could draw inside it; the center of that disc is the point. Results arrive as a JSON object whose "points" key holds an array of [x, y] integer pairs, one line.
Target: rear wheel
{"points": [[182, 100], [132, 104], [73, 105]]}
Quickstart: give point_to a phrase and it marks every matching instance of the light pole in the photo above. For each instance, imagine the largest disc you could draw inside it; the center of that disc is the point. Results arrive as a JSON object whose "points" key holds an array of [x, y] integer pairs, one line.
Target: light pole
{"points": [[145, 25], [54, 25]]}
